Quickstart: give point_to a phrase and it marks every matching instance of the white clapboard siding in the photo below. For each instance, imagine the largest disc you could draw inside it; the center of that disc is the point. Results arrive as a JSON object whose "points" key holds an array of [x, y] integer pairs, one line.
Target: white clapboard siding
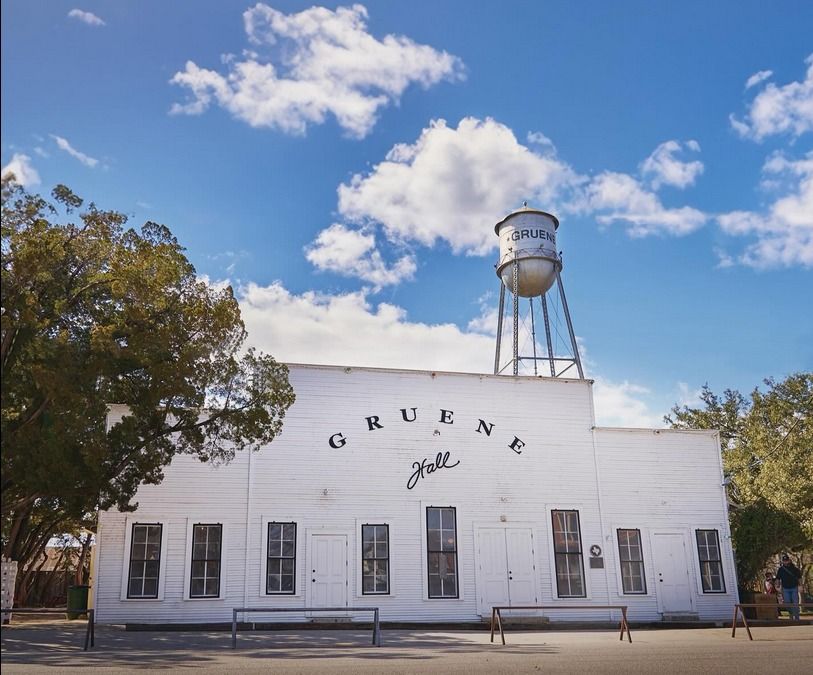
{"points": [[646, 480]]}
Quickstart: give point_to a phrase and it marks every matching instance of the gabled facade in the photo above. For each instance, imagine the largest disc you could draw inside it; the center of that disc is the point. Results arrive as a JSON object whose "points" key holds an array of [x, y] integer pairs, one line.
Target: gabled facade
{"points": [[433, 496]]}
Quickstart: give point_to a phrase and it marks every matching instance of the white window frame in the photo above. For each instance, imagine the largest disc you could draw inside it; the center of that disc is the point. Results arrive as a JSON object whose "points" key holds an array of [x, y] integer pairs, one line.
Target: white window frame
{"points": [[548, 533], [644, 536], [299, 550], [162, 565], [224, 549], [698, 577], [356, 558], [424, 552]]}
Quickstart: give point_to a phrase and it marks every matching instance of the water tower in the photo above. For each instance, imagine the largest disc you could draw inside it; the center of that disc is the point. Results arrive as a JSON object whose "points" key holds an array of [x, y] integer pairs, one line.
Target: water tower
{"points": [[528, 267]]}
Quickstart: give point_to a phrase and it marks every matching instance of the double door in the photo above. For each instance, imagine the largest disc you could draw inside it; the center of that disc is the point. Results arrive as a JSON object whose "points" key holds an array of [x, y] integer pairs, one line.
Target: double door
{"points": [[506, 568]]}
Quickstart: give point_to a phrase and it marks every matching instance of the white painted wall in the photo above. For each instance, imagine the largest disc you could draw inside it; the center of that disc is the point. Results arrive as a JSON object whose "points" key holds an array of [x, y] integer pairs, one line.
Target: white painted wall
{"points": [[645, 479]]}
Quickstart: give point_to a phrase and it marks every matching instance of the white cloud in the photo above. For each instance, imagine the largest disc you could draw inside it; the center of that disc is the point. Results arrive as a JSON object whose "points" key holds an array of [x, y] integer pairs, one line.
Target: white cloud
{"points": [[543, 144], [86, 17], [779, 109], [623, 404], [452, 185], [347, 330], [486, 321], [354, 253], [688, 396], [317, 62], [662, 167], [783, 233], [63, 144], [758, 77], [24, 172], [217, 285], [620, 197]]}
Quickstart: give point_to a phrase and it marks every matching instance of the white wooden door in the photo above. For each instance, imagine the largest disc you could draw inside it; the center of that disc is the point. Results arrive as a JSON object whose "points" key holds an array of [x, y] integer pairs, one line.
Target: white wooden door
{"points": [[493, 569], [507, 572], [328, 568], [519, 544], [672, 578]]}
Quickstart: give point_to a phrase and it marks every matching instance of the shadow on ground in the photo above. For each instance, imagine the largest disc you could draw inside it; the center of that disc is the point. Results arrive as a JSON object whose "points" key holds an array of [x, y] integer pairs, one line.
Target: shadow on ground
{"points": [[60, 645]]}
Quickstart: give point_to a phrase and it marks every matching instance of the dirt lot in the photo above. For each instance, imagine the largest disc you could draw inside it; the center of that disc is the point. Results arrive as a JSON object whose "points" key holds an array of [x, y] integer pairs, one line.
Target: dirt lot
{"points": [[48, 646]]}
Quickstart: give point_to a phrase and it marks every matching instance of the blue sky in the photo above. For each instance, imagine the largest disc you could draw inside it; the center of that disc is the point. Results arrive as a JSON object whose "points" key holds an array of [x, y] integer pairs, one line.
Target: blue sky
{"points": [[342, 166]]}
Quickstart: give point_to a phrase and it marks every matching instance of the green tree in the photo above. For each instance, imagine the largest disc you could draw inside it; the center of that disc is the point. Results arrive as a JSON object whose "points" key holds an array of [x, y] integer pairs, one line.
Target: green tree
{"points": [[767, 448], [95, 313]]}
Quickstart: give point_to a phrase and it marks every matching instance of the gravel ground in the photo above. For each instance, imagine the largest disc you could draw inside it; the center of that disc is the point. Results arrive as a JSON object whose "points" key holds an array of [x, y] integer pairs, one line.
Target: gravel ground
{"points": [[46, 646]]}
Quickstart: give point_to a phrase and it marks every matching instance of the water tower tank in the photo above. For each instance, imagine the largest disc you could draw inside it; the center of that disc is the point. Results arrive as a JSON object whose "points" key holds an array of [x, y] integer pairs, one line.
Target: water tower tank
{"points": [[529, 236]]}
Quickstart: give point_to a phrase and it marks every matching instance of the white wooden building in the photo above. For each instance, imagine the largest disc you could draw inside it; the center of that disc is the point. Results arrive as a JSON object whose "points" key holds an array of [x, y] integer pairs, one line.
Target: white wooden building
{"points": [[433, 496]]}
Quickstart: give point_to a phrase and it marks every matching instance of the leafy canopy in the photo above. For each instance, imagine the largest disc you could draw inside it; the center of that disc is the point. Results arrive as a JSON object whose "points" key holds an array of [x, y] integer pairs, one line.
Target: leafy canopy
{"points": [[95, 313], [767, 448]]}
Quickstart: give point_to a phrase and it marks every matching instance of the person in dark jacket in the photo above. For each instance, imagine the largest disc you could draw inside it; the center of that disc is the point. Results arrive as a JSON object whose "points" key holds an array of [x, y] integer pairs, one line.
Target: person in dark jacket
{"points": [[788, 575]]}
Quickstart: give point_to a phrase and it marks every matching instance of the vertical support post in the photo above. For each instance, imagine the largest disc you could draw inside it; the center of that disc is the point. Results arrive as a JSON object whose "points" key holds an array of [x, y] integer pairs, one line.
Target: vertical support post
{"points": [[499, 622], [747, 627], [234, 629], [533, 332], [625, 625], [548, 336], [376, 629], [493, 618], [89, 631], [515, 266], [734, 621], [500, 317], [569, 324]]}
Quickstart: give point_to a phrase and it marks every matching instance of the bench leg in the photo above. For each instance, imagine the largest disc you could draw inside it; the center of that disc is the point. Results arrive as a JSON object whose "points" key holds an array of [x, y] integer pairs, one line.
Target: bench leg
{"points": [[625, 626], [499, 622]]}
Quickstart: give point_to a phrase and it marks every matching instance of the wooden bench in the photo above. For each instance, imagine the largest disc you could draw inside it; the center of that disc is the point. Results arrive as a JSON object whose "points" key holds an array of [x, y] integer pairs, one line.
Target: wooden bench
{"points": [[738, 611], [374, 610], [496, 617]]}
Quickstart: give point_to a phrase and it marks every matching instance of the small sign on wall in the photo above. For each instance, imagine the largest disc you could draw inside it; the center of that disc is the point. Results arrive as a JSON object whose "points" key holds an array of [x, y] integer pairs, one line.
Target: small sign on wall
{"points": [[596, 561]]}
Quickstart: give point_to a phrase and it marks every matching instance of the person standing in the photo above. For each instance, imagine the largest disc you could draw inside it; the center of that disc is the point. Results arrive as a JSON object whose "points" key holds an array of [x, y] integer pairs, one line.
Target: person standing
{"points": [[788, 575], [770, 584]]}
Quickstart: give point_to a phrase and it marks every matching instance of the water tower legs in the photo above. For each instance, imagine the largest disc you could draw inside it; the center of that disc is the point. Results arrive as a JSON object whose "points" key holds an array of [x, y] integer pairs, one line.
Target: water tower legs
{"points": [[500, 314], [559, 364], [569, 325]]}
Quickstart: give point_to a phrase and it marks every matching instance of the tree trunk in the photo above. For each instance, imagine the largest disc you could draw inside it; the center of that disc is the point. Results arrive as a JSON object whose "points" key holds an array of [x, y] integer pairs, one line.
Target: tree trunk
{"points": [[83, 565]]}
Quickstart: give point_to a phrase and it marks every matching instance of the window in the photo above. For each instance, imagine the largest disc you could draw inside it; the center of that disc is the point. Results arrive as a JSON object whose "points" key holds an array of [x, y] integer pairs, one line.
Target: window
{"points": [[281, 569], [631, 556], [145, 561], [441, 544], [375, 559], [711, 564], [567, 547], [206, 547]]}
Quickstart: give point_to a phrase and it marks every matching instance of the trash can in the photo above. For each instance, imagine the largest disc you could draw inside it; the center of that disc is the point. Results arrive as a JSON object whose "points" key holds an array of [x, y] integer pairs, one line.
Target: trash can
{"points": [[77, 601]]}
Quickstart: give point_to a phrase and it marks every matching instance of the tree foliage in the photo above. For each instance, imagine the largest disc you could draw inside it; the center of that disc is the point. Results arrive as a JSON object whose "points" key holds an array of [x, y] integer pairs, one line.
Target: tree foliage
{"points": [[767, 448], [95, 313]]}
